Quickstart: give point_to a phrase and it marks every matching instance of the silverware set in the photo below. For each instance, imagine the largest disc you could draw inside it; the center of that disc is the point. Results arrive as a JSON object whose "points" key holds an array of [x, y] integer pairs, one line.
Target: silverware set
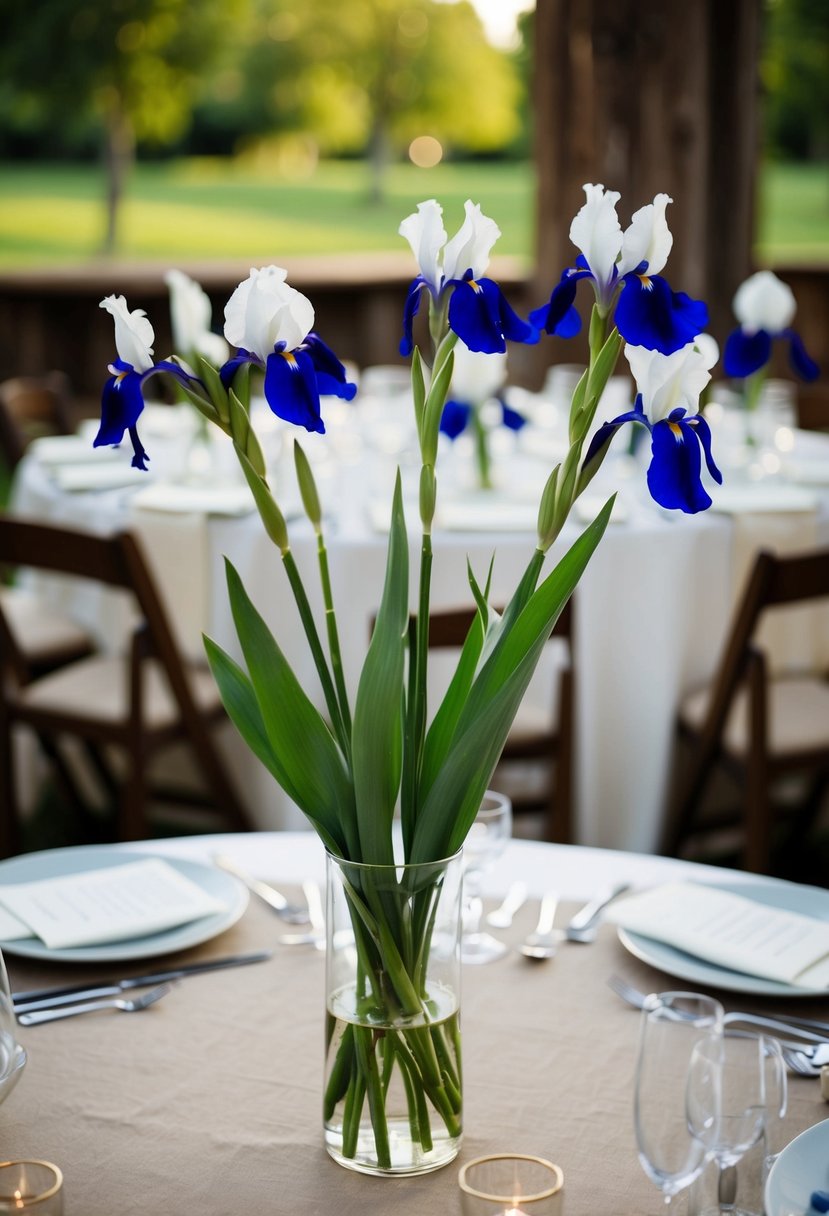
{"points": [[583, 928], [804, 1042]]}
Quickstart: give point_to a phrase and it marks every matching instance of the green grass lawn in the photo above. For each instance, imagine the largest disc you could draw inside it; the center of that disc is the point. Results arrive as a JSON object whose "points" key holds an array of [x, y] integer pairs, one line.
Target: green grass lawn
{"points": [[192, 209]]}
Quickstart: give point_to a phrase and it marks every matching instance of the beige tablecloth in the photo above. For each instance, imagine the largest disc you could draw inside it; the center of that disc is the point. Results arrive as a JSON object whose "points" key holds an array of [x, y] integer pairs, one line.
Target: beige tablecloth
{"points": [[209, 1104]]}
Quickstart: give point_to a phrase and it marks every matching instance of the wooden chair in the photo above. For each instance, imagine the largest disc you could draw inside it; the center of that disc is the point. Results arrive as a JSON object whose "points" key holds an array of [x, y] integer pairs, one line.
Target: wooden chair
{"points": [[535, 735], [760, 727], [136, 704], [31, 406]]}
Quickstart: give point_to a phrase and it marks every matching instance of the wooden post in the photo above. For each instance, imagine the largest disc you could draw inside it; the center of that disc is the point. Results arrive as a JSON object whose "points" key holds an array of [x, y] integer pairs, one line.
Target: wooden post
{"points": [[645, 96]]}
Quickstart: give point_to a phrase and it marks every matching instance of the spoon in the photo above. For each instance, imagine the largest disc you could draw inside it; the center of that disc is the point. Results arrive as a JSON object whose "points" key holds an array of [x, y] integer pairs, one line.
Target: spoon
{"points": [[501, 918], [584, 926], [542, 943]]}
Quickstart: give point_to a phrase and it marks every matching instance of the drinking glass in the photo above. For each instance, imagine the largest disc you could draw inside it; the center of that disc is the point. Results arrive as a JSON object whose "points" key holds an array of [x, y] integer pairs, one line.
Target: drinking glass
{"points": [[734, 1080], [485, 842], [12, 1055], [672, 1024]]}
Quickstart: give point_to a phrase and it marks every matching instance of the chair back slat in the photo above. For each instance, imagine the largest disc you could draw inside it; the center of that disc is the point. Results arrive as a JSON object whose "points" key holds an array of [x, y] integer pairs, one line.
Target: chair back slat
{"points": [[31, 406], [448, 628], [62, 551], [799, 578]]}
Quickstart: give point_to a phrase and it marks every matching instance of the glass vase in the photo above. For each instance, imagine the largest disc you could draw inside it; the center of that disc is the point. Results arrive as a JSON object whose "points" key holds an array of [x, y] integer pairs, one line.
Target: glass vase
{"points": [[392, 1101]]}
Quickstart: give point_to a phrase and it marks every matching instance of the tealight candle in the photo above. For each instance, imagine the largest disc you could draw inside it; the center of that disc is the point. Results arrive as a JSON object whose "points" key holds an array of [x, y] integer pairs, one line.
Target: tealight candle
{"points": [[31, 1186], [511, 1184]]}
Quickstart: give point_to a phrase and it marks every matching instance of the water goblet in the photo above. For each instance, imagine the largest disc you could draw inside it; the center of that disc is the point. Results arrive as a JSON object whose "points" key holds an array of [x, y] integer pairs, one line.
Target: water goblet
{"points": [[485, 842], [671, 1026], [734, 1080]]}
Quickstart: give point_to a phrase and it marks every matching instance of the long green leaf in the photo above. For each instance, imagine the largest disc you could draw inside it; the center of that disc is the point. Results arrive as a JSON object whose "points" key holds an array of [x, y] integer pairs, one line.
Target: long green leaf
{"points": [[377, 736], [243, 710], [451, 803], [293, 724]]}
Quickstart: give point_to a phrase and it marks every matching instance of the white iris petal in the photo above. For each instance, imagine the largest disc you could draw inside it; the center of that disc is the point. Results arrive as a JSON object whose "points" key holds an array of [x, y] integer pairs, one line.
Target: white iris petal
{"points": [[648, 238], [264, 310], [470, 247], [764, 302], [669, 381], [596, 231], [424, 231], [190, 315], [134, 335], [475, 376]]}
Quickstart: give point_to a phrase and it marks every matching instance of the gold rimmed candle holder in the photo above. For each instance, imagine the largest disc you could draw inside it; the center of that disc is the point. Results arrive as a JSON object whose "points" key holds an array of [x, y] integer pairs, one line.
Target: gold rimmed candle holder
{"points": [[511, 1184]]}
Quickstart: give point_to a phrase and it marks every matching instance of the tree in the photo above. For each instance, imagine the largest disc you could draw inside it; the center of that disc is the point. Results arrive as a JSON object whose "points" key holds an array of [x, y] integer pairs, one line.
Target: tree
{"points": [[132, 66], [796, 77]]}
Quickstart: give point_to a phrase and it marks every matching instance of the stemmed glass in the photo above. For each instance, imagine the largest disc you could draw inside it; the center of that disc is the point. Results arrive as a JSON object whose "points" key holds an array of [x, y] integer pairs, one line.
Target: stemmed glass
{"points": [[12, 1055], [485, 842], [672, 1024], [734, 1080]]}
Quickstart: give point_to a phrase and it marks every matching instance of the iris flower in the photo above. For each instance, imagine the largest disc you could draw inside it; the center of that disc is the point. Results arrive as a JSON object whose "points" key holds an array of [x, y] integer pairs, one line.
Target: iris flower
{"points": [[476, 379], [765, 308], [624, 271], [667, 401], [478, 311], [270, 324], [123, 396], [190, 316]]}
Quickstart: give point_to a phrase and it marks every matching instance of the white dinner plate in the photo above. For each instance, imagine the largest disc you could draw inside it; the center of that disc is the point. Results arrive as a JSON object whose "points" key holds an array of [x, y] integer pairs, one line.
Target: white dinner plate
{"points": [[56, 863], [794, 897], [801, 1168]]}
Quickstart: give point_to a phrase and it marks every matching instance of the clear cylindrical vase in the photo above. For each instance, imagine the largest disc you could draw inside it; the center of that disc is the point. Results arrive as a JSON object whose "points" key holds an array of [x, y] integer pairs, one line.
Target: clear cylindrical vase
{"points": [[393, 1094]]}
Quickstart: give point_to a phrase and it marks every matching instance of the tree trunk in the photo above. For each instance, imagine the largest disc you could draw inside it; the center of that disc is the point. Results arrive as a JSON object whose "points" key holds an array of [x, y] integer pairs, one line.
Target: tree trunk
{"points": [[379, 155], [119, 153], [643, 97]]}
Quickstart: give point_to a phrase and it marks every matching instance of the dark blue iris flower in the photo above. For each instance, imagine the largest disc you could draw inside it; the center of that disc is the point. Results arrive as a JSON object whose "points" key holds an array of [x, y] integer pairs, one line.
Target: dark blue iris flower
{"points": [[123, 400], [294, 380], [647, 312], [478, 313], [677, 445], [745, 353], [457, 415]]}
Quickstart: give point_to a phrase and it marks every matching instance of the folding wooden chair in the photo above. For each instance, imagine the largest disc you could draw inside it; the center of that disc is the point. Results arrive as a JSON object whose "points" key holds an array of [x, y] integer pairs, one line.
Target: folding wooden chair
{"points": [[31, 406], [536, 735], [759, 726], [137, 704]]}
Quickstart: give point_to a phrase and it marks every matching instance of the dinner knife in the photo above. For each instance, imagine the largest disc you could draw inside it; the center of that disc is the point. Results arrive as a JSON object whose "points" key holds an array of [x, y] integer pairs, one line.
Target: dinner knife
{"points": [[46, 998], [275, 899]]}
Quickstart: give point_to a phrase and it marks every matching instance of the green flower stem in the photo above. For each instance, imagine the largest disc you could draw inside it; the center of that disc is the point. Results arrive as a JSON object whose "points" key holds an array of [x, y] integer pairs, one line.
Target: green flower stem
{"points": [[482, 450], [311, 634], [365, 1041], [416, 708], [334, 639], [415, 1105], [341, 1073], [354, 1099]]}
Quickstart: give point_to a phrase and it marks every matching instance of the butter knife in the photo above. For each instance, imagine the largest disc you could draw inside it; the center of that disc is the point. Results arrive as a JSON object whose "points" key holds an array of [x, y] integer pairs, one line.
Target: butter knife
{"points": [[291, 913], [47, 998]]}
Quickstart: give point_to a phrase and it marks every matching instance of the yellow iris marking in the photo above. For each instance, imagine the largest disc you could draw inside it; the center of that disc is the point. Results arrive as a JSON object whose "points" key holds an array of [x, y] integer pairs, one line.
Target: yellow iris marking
{"points": [[645, 281], [677, 430], [475, 286], [288, 356]]}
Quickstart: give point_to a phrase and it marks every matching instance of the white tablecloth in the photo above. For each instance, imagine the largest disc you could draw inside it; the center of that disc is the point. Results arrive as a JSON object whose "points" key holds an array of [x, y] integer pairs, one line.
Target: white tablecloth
{"points": [[652, 611]]}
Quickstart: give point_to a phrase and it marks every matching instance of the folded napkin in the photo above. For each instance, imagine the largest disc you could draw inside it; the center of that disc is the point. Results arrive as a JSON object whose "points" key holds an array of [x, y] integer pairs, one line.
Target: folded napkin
{"points": [[72, 449], [731, 931], [762, 496], [97, 475], [211, 500], [113, 904]]}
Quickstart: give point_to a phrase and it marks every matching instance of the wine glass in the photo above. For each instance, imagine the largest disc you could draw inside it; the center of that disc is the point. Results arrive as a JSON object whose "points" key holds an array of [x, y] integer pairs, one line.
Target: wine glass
{"points": [[485, 842], [672, 1024], [12, 1055], [732, 1079]]}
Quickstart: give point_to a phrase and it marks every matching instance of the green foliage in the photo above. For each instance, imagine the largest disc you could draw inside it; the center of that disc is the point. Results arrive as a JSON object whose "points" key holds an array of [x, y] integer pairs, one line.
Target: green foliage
{"points": [[795, 71]]}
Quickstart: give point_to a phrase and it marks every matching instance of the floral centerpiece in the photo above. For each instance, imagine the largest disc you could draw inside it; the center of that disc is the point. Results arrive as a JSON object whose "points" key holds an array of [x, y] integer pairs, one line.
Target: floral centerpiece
{"points": [[393, 1094]]}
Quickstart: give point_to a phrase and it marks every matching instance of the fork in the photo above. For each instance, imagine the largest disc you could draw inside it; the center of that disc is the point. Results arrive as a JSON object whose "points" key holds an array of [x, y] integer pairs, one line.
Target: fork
{"points": [[133, 1005], [808, 1042], [501, 918], [799, 1062]]}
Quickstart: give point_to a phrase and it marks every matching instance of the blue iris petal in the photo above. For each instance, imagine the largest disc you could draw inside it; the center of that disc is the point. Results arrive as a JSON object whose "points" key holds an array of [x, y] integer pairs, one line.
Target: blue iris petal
{"points": [[650, 314], [455, 418], [409, 313], [511, 418], [228, 370], [481, 317], [291, 389], [559, 316], [745, 353], [607, 430], [121, 406], [330, 372], [703, 431], [674, 472], [802, 363]]}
